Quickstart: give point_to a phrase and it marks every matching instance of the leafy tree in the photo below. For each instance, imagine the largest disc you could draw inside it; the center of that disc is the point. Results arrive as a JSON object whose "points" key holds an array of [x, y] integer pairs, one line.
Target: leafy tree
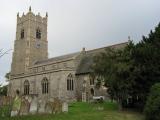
{"points": [[146, 62], [7, 75], [114, 66], [152, 108], [3, 90], [130, 72]]}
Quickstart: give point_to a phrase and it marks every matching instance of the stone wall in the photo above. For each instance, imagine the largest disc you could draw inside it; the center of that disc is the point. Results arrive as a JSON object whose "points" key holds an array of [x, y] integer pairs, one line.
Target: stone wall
{"points": [[57, 85]]}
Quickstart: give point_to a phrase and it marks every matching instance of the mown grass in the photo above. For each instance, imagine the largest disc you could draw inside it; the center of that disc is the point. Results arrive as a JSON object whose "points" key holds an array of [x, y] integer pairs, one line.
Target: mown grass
{"points": [[86, 111]]}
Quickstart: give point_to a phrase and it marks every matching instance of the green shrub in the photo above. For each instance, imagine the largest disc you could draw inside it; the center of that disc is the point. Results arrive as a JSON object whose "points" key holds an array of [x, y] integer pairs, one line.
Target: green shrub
{"points": [[5, 111], [152, 107]]}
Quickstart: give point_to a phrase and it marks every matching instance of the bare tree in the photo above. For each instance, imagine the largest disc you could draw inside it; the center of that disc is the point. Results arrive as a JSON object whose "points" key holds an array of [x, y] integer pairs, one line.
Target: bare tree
{"points": [[2, 52]]}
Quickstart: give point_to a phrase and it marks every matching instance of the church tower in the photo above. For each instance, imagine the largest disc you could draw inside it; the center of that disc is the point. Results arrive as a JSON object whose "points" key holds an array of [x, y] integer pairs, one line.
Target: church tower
{"points": [[31, 42]]}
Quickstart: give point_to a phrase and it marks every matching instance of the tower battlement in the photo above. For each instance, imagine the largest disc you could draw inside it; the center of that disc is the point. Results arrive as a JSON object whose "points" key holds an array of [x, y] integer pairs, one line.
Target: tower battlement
{"points": [[34, 17]]}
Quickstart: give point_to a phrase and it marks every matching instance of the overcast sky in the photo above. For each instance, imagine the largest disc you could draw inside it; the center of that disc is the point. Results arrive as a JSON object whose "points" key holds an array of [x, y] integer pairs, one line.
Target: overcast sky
{"points": [[73, 24]]}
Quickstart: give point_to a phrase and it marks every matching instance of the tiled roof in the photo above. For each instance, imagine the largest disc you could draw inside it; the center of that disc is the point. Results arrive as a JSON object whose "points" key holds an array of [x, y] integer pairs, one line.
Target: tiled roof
{"points": [[58, 58], [87, 60]]}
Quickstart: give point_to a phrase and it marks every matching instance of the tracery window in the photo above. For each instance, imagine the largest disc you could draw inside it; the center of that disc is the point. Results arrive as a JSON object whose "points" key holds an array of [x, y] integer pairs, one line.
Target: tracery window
{"points": [[38, 33], [45, 85], [70, 83], [26, 87]]}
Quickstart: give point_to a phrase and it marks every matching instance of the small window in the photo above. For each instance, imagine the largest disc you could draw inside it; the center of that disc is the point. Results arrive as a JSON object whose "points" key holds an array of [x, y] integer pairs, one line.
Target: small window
{"points": [[54, 66], [65, 65], [35, 70], [38, 33], [22, 33]]}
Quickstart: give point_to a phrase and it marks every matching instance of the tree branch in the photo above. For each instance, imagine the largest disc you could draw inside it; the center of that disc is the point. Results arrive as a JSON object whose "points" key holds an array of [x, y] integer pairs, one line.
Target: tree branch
{"points": [[3, 53]]}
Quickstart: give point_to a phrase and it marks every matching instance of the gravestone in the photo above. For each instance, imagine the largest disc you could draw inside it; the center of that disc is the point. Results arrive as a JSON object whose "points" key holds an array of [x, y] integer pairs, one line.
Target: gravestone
{"points": [[16, 106], [41, 106], [5, 106], [25, 106], [57, 105], [33, 105], [65, 107], [6, 100], [49, 108]]}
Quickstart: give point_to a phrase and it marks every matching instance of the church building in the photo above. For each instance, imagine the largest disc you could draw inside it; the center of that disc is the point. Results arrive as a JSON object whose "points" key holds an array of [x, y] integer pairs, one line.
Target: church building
{"points": [[66, 77]]}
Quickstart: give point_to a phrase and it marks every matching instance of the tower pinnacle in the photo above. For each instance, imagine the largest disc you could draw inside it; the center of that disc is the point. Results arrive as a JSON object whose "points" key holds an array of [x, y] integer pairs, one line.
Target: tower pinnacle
{"points": [[30, 9], [18, 14], [46, 14]]}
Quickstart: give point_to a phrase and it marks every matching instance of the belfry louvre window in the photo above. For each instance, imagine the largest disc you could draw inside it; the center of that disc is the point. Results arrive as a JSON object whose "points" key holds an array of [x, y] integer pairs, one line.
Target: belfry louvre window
{"points": [[38, 33], [26, 87], [91, 81], [70, 83], [45, 85], [22, 33]]}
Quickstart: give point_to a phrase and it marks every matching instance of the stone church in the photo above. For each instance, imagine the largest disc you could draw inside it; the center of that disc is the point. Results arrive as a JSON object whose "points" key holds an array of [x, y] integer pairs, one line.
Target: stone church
{"points": [[65, 77]]}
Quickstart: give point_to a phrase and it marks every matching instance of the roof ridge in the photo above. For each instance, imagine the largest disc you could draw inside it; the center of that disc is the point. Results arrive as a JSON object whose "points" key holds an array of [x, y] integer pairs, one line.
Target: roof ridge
{"points": [[107, 46]]}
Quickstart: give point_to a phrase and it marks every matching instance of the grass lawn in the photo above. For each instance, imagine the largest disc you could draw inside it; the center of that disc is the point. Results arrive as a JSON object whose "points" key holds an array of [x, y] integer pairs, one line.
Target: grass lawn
{"points": [[86, 111]]}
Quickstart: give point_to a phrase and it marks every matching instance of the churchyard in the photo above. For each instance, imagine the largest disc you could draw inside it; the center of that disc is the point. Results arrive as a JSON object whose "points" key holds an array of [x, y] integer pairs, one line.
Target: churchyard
{"points": [[30, 105], [79, 111]]}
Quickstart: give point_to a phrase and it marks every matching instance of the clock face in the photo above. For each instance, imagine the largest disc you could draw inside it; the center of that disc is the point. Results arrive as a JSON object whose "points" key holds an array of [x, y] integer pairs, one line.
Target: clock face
{"points": [[38, 45]]}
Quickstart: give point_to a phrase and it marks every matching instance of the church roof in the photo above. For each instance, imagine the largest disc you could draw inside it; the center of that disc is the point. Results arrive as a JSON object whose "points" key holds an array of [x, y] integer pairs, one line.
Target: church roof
{"points": [[86, 58], [58, 58], [85, 64]]}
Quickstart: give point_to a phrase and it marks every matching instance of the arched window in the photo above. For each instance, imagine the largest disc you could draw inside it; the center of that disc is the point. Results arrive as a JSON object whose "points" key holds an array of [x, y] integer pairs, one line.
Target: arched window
{"points": [[26, 87], [92, 91], [70, 83], [38, 33], [22, 33], [45, 86]]}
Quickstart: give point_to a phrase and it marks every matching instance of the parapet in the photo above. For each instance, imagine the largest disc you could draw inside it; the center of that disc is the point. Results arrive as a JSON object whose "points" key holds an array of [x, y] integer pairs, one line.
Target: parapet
{"points": [[31, 16]]}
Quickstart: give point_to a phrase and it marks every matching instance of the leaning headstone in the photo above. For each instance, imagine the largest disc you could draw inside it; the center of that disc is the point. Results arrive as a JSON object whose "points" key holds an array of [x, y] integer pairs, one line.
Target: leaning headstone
{"points": [[49, 108], [25, 105], [16, 106], [65, 107], [33, 105]]}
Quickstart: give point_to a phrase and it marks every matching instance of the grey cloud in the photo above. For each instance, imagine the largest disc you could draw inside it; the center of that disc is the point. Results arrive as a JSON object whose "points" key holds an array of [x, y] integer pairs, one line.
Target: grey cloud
{"points": [[73, 24]]}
